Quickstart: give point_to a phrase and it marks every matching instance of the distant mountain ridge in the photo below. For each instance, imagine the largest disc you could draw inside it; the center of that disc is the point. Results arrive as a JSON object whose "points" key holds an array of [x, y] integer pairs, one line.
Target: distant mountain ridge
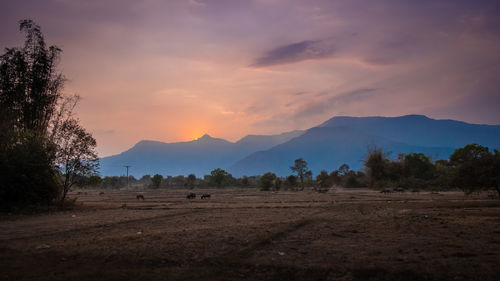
{"points": [[338, 140], [327, 149], [421, 130], [198, 156]]}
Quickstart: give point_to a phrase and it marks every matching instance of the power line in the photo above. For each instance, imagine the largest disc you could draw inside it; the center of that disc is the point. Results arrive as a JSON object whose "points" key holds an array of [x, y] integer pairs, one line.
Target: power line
{"points": [[127, 166]]}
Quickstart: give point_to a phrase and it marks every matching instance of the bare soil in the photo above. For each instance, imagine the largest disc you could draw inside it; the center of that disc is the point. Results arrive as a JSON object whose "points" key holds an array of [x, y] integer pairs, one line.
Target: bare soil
{"points": [[246, 234]]}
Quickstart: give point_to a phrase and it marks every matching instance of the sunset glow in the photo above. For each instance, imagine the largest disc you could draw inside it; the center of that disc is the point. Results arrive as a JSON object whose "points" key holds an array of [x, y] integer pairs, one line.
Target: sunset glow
{"points": [[175, 70]]}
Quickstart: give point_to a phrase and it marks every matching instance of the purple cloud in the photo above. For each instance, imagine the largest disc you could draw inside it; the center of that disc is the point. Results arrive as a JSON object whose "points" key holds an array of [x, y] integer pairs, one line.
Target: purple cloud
{"points": [[295, 52]]}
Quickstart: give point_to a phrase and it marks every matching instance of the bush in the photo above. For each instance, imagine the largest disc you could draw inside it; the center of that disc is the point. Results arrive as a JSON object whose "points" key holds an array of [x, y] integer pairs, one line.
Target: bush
{"points": [[267, 181], [156, 181]]}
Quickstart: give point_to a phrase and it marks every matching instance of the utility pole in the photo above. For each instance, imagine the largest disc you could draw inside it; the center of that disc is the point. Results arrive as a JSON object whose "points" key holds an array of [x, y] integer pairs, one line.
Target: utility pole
{"points": [[127, 172]]}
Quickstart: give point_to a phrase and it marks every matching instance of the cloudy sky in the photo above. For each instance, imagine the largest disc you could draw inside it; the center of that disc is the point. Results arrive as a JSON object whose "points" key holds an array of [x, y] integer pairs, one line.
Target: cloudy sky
{"points": [[174, 70]]}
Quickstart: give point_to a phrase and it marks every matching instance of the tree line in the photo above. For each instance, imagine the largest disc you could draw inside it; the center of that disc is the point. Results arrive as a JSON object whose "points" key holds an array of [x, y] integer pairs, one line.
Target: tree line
{"points": [[470, 168]]}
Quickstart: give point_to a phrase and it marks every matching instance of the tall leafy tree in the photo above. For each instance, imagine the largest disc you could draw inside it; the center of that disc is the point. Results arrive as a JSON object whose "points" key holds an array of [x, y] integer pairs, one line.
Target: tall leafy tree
{"points": [[418, 165], [156, 180], [375, 164], [300, 167], [344, 169], [75, 154], [219, 176], [267, 181], [323, 179], [473, 164], [190, 181], [33, 114]]}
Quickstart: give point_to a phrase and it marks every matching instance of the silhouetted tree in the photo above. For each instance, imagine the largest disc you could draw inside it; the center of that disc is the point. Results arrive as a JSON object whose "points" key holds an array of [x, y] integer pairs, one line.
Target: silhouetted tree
{"points": [[191, 179], [277, 184], [267, 181], [145, 180], [300, 168], [323, 179], [32, 115], [473, 164], [335, 177], [344, 169], [418, 165], [375, 164], [291, 181], [218, 176], [353, 179], [156, 180], [75, 154]]}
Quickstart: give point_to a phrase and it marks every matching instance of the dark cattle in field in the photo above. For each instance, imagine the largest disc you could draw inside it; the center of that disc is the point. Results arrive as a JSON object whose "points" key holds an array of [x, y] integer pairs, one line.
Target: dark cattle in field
{"points": [[203, 196], [385, 190], [101, 193], [140, 197], [191, 196], [399, 189]]}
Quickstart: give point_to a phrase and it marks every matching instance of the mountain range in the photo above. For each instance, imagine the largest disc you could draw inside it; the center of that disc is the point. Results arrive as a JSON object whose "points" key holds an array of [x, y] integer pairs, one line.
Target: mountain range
{"points": [[337, 141]]}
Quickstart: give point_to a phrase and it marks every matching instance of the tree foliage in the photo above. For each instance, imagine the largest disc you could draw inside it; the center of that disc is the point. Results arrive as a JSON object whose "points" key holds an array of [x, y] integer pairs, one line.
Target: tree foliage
{"points": [[418, 165], [291, 181], [75, 154], [323, 179], [470, 168], [267, 181], [191, 180], [156, 180], [34, 120], [344, 169], [219, 177], [474, 167], [300, 167], [375, 164]]}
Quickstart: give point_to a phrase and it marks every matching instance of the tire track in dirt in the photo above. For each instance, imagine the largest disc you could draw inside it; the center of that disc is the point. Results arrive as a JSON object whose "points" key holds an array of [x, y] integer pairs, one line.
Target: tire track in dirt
{"points": [[235, 263], [264, 240], [104, 225]]}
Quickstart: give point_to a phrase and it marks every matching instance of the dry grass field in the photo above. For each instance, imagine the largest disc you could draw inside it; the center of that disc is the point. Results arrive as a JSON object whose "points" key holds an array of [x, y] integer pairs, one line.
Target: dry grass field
{"points": [[246, 234]]}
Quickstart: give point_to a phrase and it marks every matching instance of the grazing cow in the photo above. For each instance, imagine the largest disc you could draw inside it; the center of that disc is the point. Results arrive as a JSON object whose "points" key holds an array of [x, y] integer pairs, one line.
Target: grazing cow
{"points": [[399, 189], [206, 195], [191, 196], [101, 193], [140, 197], [492, 195], [385, 190]]}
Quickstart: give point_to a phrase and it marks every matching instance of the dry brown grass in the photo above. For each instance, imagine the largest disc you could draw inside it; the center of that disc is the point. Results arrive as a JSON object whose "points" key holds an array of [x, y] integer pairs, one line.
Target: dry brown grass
{"points": [[246, 234]]}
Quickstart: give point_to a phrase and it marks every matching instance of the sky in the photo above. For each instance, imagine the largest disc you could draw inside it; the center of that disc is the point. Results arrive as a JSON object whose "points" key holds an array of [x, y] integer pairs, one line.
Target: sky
{"points": [[175, 70]]}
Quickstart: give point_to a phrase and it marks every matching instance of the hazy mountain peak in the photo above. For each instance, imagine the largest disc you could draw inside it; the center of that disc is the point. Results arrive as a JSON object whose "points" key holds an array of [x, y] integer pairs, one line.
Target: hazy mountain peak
{"points": [[145, 143], [205, 137]]}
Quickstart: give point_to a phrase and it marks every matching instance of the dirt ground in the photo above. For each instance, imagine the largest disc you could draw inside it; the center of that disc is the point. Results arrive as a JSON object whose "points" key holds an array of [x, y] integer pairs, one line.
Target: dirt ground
{"points": [[246, 234]]}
